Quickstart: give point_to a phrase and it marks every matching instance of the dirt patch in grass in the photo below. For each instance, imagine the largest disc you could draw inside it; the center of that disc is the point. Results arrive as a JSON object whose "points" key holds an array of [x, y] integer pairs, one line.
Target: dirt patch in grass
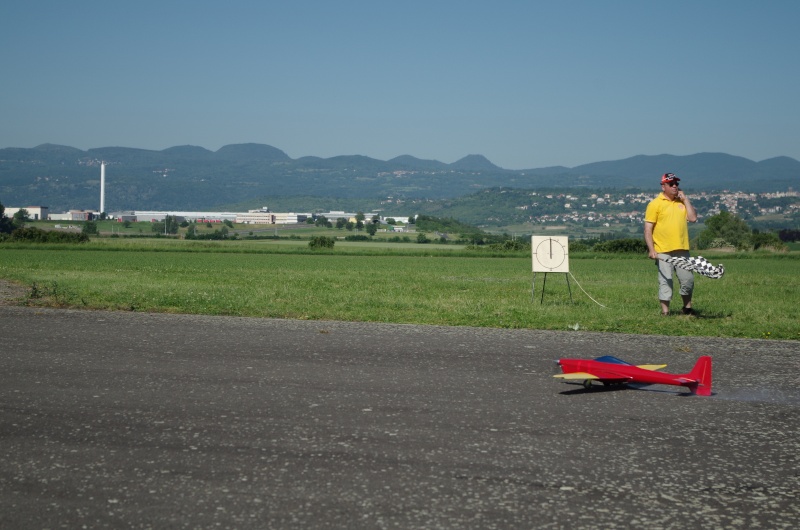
{"points": [[11, 293]]}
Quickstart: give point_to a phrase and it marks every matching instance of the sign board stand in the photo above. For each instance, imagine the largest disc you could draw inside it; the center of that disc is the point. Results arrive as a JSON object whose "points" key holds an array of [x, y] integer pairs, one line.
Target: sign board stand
{"points": [[544, 282], [550, 254]]}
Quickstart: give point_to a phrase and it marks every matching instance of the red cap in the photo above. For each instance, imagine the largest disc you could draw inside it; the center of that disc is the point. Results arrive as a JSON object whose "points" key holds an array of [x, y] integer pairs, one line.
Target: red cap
{"points": [[669, 177]]}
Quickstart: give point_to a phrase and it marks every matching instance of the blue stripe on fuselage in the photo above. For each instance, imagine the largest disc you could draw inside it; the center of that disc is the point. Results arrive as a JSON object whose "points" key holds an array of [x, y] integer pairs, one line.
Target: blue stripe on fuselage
{"points": [[611, 360]]}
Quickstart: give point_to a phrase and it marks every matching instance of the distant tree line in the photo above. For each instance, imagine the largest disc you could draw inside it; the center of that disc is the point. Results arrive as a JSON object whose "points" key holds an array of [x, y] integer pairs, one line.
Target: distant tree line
{"points": [[723, 230], [37, 235]]}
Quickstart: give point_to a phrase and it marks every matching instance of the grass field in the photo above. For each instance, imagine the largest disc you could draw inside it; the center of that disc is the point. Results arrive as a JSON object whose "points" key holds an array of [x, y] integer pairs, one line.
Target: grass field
{"points": [[757, 298]]}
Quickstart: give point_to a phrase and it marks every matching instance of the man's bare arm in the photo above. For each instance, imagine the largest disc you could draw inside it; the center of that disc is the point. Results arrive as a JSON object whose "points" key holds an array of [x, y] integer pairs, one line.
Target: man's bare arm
{"points": [[648, 238]]}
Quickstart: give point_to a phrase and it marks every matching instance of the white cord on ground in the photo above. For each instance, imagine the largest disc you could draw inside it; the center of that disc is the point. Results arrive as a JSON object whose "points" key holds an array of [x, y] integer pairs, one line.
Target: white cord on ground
{"points": [[584, 292]]}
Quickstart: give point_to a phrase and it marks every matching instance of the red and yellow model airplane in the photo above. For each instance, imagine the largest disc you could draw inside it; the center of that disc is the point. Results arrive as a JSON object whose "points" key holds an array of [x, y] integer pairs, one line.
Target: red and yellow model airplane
{"points": [[612, 371]]}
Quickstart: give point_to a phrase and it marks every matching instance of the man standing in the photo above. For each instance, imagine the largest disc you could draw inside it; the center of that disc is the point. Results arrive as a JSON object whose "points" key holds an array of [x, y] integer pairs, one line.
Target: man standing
{"points": [[667, 234]]}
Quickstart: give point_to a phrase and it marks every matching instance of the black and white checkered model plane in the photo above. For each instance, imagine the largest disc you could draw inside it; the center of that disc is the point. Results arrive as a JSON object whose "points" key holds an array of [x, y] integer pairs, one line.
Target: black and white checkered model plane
{"points": [[697, 264]]}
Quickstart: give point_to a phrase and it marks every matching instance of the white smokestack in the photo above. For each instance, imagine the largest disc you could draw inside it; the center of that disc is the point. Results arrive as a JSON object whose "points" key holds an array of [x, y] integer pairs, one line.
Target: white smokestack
{"points": [[102, 187]]}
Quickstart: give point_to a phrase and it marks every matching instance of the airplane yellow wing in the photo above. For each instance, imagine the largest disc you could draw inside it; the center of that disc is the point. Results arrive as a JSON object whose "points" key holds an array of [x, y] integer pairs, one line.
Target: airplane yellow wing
{"points": [[577, 375]]}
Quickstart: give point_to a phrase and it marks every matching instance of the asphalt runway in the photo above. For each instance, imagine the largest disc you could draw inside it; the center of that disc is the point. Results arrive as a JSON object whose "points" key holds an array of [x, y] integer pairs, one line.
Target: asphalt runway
{"points": [[130, 420]]}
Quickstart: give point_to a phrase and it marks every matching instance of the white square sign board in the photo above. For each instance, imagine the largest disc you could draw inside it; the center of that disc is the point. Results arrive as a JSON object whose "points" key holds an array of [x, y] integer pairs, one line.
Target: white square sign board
{"points": [[550, 253]]}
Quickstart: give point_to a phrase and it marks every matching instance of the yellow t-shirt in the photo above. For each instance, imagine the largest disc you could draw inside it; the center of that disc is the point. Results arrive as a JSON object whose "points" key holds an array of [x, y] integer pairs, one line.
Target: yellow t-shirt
{"points": [[670, 229]]}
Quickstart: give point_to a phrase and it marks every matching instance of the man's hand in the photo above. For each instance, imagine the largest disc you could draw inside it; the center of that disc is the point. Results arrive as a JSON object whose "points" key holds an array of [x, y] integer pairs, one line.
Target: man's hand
{"points": [[691, 213]]}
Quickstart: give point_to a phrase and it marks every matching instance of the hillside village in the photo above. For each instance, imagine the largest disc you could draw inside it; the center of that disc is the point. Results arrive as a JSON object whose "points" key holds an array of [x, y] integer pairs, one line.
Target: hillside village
{"points": [[510, 206], [630, 207]]}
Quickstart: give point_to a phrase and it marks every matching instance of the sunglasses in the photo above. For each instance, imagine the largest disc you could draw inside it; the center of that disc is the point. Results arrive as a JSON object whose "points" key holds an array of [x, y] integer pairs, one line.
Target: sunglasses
{"points": [[671, 184]]}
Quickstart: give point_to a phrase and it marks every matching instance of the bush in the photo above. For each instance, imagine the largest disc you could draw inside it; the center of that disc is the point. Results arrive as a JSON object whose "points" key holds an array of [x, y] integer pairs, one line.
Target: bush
{"points": [[718, 243], [37, 235], [618, 246], [318, 242], [89, 227], [767, 240], [728, 227], [578, 246], [510, 245], [789, 235], [216, 235]]}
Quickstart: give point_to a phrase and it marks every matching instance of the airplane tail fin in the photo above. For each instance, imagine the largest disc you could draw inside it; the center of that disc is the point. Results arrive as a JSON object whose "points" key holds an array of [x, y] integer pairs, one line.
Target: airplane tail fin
{"points": [[702, 374]]}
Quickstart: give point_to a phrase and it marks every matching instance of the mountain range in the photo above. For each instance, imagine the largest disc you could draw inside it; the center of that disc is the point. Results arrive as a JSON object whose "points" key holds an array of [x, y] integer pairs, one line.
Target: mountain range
{"points": [[193, 178]]}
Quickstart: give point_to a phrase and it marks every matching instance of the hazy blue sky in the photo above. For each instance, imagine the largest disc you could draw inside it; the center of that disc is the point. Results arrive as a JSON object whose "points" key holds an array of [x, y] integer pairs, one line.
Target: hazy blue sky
{"points": [[525, 83]]}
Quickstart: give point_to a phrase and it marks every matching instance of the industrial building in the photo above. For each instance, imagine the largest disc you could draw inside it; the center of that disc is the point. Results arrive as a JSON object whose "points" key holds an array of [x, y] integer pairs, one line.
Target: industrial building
{"points": [[36, 213], [260, 216]]}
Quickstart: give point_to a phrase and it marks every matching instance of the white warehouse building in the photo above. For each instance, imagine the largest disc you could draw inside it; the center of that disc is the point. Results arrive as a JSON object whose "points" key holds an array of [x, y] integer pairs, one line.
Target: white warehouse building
{"points": [[214, 217]]}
